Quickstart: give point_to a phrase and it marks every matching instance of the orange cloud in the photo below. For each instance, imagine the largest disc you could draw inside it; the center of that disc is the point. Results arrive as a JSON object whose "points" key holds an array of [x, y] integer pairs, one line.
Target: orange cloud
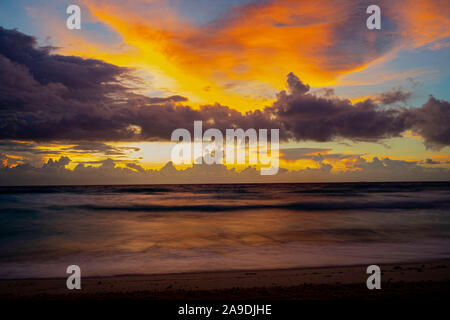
{"points": [[424, 22], [240, 59], [227, 61]]}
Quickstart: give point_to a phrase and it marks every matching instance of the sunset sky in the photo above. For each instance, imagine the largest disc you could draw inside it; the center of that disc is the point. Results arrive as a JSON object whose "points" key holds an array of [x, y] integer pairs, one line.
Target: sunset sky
{"points": [[351, 103]]}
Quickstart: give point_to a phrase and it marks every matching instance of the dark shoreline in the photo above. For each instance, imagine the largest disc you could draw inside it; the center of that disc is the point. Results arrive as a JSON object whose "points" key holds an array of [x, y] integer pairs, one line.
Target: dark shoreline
{"points": [[420, 280]]}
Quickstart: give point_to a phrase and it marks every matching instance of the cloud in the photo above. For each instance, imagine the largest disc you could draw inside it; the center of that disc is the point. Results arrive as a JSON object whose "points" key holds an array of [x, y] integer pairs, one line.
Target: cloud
{"points": [[431, 121], [424, 22], [431, 161], [175, 98], [20, 151], [321, 40], [305, 116], [135, 167], [54, 172], [98, 147], [393, 96], [309, 117], [292, 154], [47, 97], [315, 154], [56, 164]]}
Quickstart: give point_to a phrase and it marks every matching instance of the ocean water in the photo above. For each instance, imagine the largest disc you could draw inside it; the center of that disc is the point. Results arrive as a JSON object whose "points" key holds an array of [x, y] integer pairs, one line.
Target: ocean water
{"points": [[147, 229]]}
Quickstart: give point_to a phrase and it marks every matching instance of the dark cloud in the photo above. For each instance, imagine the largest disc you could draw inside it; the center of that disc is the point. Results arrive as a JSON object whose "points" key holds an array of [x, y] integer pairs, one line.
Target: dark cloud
{"points": [[309, 117], [393, 96], [295, 85], [45, 96], [99, 147], [431, 161], [432, 122], [291, 154], [175, 98], [305, 116], [316, 154], [24, 148], [13, 146], [57, 164], [48, 97]]}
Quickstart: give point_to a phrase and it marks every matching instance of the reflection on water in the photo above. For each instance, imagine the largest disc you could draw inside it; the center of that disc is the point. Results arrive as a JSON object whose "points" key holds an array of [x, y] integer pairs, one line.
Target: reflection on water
{"points": [[157, 229]]}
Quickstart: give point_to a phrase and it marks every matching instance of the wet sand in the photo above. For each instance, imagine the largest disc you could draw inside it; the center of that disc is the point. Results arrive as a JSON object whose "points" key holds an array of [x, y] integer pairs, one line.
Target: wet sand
{"points": [[429, 280]]}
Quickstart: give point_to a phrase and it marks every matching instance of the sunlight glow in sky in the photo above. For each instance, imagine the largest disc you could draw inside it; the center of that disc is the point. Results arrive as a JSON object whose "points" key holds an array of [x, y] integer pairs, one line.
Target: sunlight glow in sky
{"points": [[238, 53]]}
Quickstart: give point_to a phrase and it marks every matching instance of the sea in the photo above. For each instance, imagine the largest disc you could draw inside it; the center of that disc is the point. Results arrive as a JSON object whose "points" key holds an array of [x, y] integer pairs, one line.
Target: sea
{"points": [[157, 229]]}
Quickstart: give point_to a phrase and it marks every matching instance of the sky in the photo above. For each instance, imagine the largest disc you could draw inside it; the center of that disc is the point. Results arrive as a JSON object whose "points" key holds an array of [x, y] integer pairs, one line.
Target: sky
{"points": [[98, 105]]}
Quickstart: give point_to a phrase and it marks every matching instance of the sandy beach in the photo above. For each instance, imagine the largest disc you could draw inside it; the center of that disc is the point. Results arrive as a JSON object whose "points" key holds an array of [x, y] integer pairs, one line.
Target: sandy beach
{"points": [[428, 280]]}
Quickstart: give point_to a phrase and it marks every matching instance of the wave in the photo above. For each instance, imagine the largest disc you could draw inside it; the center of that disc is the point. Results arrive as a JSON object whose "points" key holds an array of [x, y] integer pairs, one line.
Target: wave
{"points": [[352, 188], [297, 206]]}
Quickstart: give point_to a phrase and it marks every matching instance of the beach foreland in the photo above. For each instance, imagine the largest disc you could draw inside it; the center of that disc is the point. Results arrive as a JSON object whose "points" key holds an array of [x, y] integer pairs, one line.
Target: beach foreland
{"points": [[427, 280]]}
